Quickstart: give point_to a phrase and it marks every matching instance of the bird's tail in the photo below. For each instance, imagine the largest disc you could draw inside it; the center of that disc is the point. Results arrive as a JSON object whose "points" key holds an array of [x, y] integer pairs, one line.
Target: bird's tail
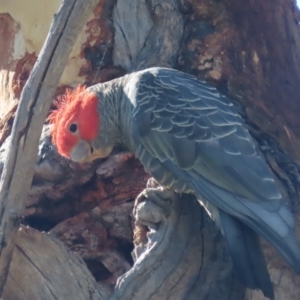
{"points": [[246, 253], [275, 225], [283, 238]]}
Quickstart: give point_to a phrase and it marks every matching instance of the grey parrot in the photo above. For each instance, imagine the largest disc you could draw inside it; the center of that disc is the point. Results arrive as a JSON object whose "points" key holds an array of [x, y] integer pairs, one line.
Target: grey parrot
{"points": [[190, 138]]}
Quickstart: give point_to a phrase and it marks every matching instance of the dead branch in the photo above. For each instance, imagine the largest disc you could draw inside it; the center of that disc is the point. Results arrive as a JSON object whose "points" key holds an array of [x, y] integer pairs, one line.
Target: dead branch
{"points": [[175, 254], [35, 102], [31, 278]]}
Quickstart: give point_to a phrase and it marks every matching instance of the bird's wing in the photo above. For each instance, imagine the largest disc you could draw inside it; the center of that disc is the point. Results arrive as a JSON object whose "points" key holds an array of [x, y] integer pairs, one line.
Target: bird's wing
{"points": [[189, 123], [190, 137]]}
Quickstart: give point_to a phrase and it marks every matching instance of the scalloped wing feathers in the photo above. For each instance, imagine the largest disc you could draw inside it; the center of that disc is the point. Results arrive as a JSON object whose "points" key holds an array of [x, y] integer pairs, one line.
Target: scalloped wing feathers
{"points": [[189, 123], [191, 138]]}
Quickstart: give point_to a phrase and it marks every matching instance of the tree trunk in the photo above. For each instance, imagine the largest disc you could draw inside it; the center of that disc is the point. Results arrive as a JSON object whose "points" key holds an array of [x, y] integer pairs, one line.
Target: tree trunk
{"points": [[249, 50]]}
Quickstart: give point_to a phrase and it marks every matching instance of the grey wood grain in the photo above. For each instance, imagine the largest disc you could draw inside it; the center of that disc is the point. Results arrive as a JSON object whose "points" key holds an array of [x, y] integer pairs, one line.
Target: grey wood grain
{"points": [[34, 105], [42, 268], [175, 253], [147, 33]]}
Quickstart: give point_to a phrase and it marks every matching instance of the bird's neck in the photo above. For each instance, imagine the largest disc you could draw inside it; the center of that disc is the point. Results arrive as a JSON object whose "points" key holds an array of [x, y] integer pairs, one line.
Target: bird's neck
{"points": [[115, 112]]}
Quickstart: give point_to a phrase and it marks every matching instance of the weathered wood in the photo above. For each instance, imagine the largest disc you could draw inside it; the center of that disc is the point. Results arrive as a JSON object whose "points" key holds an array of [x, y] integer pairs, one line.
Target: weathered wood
{"points": [[148, 33], [35, 102], [42, 268], [175, 254]]}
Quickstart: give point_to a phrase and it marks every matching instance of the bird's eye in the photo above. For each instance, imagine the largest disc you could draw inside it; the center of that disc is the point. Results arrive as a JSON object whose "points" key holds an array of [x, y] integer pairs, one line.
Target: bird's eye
{"points": [[73, 128]]}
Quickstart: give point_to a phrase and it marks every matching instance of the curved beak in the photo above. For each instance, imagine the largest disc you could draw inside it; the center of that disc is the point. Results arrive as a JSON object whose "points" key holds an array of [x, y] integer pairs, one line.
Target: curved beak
{"points": [[84, 152], [81, 151]]}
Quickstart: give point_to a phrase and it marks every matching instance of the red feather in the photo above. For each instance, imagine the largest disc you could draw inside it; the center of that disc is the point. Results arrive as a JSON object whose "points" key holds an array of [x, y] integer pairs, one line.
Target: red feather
{"points": [[74, 106]]}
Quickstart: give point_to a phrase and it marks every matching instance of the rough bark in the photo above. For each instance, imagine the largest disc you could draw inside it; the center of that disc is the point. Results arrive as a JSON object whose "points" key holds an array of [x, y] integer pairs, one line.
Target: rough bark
{"points": [[250, 51], [34, 104]]}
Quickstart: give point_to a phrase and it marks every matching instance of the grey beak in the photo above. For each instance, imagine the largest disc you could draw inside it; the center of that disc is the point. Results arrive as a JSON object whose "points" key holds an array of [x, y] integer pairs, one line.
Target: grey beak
{"points": [[81, 151]]}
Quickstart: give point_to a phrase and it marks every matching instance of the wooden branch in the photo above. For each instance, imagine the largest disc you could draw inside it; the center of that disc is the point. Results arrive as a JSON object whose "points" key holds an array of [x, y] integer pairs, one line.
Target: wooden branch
{"points": [[175, 252], [176, 256], [34, 105], [31, 278]]}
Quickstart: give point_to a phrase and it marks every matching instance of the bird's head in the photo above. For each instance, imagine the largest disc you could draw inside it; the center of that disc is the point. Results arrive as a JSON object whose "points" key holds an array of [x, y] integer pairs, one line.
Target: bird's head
{"points": [[76, 125]]}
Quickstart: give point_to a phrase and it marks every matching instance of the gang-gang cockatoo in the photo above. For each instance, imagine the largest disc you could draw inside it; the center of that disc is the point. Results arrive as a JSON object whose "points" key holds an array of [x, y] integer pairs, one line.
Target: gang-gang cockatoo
{"points": [[190, 138]]}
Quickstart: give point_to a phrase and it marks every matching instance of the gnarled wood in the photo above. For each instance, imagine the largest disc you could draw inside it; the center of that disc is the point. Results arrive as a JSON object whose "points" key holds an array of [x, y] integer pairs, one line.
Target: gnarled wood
{"points": [[175, 255], [42, 268], [34, 105]]}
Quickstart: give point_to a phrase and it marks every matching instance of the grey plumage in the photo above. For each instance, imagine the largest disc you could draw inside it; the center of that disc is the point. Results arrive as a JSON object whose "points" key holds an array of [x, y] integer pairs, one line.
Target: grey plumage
{"points": [[191, 139]]}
